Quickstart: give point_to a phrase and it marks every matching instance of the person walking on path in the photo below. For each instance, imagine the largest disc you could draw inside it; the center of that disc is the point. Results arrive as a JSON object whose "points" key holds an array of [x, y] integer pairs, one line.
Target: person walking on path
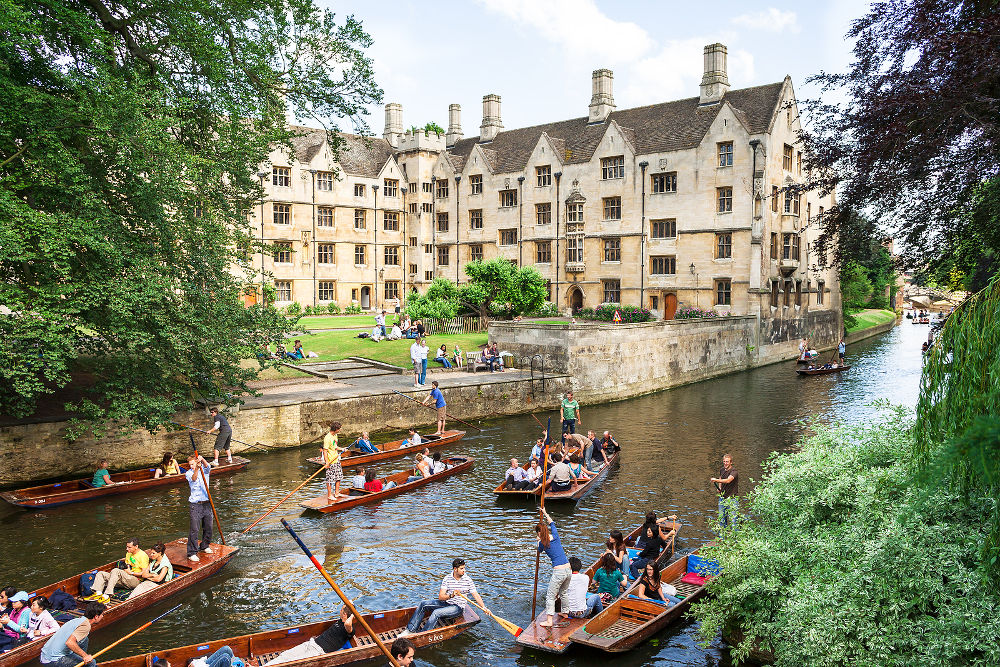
{"points": [[68, 646], [728, 483], [331, 457], [548, 541], [841, 350], [418, 355], [199, 508], [442, 410], [570, 414], [224, 439]]}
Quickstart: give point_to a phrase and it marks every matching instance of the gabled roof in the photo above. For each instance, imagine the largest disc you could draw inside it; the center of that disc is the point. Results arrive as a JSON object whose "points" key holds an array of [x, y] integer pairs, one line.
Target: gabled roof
{"points": [[668, 126], [359, 156]]}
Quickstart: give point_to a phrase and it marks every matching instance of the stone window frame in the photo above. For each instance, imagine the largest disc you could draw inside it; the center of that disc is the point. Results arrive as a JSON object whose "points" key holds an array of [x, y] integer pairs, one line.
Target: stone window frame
{"points": [[443, 255], [724, 198], [543, 252], [724, 245], [281, 214], [326, 290], [412, 269], [325, 216], [441, 222], [786, 288], [326, 253], [476, 184], [507, 198], [324, 181], [774, 199], [282, 252], [669, 233], [427, 188], [612, 290], [612, 167], [359, 190], [663, 182], [507, 236], [543, 213], [574, 246], [723, 289], [574, 212], [612, 250], [428, 249], [412, 241], [441, 186], [427, 207], [663, 265], [428, 275], [390, 255], [775, 247], [475, 218], [390, 187], [360, 219], [543, 176], [391, 289], [786, 158], [475, 252], [281, 177], [820, 286], [282, 290], [360, 255], [390, 221], [725, 152], [775, 292], [612, 207], [414, 207]]}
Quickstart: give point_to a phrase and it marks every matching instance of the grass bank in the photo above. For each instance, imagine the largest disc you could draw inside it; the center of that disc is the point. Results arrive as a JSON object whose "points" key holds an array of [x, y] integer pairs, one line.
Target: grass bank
{"points": [[333, 345], [338, 321], [866, 319]]}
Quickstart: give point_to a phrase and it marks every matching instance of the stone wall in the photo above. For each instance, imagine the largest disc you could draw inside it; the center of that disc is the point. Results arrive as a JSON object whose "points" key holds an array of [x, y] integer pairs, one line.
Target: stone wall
{"points": [[40, 451], [608, 362]]}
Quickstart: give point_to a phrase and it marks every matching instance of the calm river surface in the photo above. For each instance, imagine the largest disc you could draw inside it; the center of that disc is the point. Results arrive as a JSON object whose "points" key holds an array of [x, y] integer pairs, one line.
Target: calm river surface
{"points": [[396, 553]]}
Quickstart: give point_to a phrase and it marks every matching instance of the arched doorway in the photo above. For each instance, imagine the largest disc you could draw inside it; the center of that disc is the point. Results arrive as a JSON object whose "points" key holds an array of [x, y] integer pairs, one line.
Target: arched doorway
{"points": [[576, 299], [669, 305], [366, 297]]}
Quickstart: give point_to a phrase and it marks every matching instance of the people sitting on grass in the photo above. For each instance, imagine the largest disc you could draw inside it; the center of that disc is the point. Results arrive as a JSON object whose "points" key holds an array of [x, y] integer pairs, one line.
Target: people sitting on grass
{"points": [[395, 333], [159, 571], [459, 361], [102, 477], [579, 602], [168, 466], [136, 561], [449, 603], [334, 638], [442, 356]]}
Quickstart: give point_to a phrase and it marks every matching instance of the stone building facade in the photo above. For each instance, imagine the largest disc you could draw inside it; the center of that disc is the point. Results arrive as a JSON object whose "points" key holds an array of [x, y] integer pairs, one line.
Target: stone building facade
{"points": [[683, 203]]}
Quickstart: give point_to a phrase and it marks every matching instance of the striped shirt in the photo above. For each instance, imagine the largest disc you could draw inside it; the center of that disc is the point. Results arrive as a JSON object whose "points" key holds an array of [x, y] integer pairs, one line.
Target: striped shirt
{"points": [[464, 584]]}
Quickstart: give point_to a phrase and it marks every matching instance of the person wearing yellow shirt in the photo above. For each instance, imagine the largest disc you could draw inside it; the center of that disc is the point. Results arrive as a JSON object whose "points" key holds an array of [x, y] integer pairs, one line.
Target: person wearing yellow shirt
{"points": [[331, 456], [136, 561]]}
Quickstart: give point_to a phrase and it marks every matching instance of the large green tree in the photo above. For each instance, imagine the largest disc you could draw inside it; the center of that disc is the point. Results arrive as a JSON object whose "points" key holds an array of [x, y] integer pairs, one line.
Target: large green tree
{"points": [[131, 135], [496, 288]]}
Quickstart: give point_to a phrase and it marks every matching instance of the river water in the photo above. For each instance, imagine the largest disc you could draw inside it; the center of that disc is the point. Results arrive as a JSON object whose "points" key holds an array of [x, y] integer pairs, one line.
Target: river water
{"points": [[396, 553]]}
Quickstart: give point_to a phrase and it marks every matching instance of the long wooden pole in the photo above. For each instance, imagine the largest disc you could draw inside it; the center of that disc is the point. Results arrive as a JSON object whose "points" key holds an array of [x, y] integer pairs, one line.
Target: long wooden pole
{"points": [[208, 492], [260, 445], [430, 408], [340, 594], [541, 510], [134, 632], [265, 514]]}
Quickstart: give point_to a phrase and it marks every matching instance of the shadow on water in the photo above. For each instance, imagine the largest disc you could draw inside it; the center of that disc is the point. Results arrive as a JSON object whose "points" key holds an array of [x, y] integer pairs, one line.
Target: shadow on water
{"points": [[395, 553]]}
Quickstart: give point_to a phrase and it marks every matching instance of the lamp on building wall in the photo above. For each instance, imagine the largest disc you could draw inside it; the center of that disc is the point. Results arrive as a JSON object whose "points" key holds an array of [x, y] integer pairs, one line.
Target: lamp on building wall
{"points": [[692, 267]]}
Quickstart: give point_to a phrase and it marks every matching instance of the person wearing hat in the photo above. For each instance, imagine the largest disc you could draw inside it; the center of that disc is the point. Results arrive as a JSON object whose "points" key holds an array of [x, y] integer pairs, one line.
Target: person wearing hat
{"points": [[15, 622], [449, 604], [68, 646]]}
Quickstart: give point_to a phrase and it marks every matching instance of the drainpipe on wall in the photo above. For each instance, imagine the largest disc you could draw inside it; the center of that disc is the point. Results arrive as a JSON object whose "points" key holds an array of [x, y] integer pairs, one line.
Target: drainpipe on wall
{"points": [[262, 175], [434, 250], [373, 300], [458, 179], [406, 242], [520, 219], [314, 244], [642, 239], [558, 176]]}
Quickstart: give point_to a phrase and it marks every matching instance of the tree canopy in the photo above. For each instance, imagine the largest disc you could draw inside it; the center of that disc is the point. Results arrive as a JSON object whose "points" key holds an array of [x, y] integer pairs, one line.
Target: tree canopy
{"points": [[919, 133], [496, 288], [131, 135]]}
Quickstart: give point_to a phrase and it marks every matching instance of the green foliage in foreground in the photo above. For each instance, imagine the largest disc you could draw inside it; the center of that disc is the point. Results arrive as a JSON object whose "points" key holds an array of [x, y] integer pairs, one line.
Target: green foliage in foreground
{"points": [[848, 562]]}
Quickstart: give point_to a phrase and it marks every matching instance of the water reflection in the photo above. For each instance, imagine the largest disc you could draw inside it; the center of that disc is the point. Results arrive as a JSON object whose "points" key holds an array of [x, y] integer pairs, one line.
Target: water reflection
{"points": [[396, 553]]}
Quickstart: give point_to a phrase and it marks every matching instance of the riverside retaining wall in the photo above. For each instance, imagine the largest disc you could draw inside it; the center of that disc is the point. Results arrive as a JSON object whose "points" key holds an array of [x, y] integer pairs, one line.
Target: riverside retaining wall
{"points": [[613, 361], [40, 451]]}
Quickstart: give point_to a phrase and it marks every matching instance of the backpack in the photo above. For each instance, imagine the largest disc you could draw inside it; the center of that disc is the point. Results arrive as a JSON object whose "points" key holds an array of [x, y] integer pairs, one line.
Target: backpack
{"points": [[60, 600], [87, 582]]}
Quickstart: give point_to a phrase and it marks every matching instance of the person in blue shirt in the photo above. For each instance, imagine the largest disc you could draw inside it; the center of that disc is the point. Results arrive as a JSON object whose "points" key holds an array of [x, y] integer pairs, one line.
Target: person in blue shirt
{"points": [[199, 508], [364, 443], [439, 404], [548, 542]]}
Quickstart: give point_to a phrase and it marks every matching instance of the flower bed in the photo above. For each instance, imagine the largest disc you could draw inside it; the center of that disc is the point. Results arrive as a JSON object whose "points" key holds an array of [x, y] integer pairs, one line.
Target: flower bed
{"points": [[689, 313]]}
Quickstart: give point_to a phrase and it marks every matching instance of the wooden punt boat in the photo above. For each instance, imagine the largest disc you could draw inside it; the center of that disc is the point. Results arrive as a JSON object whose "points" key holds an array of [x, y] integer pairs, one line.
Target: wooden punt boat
{"points": [[456, 464], [807, 360], [558, 638], [501, 492], [821, 371], [186, 574], [576, 491], [393, 450], [257, 649], [629, 621], [78, 490]]}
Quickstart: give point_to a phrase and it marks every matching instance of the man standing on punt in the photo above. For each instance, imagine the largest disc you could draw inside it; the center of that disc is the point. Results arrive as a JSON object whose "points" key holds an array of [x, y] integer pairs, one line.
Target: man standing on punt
{"points": [[199, 508], [728, 483]]}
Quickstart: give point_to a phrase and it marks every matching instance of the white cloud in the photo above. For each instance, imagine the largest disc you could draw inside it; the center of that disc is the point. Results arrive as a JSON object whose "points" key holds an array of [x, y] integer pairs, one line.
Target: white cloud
{"points": [[675, 70], [577, 26], [769, 20]]}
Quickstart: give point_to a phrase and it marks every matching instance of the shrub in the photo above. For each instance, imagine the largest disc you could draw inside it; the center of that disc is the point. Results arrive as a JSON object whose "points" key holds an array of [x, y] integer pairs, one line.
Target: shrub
{"points": [[586, 314], [293, 309], [308, 310], [333, 309], [548, 309], [606, 313], [353, 309], [689, 313]]}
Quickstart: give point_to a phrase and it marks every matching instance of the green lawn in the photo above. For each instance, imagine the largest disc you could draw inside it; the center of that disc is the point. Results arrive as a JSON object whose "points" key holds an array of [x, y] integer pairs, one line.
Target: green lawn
{"points": [[341, 321], [331, 345], [867, 319]]}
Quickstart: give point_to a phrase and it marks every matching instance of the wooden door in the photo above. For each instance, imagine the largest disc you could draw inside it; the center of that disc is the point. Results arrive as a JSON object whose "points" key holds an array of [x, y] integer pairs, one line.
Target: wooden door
{"points": [[669, 305]]}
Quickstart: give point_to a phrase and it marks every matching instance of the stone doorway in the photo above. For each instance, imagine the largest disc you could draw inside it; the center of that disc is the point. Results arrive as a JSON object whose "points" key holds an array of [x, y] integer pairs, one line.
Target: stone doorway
{"points": [[366, 298], [576, 299], [669, 305]]}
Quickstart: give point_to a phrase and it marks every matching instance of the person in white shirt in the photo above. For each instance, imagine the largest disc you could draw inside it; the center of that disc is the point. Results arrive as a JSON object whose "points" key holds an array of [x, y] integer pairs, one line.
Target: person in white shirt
{"points": [[577, 602], [534, 474], [412, 439], [449, 604], [415, 358]]}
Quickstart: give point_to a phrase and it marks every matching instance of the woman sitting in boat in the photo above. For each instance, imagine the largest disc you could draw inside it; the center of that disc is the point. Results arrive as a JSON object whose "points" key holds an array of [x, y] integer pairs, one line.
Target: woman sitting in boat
{"points": [[609, 578], [650, 586], [159, 571], [421, 468], [651, 544], [577, 468], [372, 484], [15, 622], [168, 466], [412, 440], [40, 621], [437, 465], [102, 477], [616, 547], [334, 638]]}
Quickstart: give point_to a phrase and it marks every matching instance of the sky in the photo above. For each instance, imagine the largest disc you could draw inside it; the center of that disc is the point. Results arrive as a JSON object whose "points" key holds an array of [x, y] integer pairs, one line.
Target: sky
{"points": [[538, 55]]}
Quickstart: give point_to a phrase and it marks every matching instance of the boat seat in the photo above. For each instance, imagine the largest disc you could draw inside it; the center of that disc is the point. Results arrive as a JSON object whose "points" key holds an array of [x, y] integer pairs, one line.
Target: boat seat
{"points": [[620, 628], [264, 658], [387, 637]]}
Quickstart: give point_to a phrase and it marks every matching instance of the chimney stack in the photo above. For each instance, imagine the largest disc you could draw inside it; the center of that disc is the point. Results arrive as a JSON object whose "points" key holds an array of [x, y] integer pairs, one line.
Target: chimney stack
{"points": [[393, 123], [602, 102], [491, 118], [715, 81], [454, 134]]}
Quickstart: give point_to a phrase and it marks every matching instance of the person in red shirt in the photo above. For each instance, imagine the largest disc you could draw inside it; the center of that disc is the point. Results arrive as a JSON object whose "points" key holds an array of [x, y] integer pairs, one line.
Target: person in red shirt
{"points": [[372, 484]]}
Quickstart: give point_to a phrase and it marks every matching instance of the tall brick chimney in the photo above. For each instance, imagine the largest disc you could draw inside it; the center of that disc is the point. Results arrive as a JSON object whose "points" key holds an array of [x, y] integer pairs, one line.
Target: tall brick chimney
{"points": [[393, 123], [715, 81], [454, 134], [491, 118], [602, 102]]}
